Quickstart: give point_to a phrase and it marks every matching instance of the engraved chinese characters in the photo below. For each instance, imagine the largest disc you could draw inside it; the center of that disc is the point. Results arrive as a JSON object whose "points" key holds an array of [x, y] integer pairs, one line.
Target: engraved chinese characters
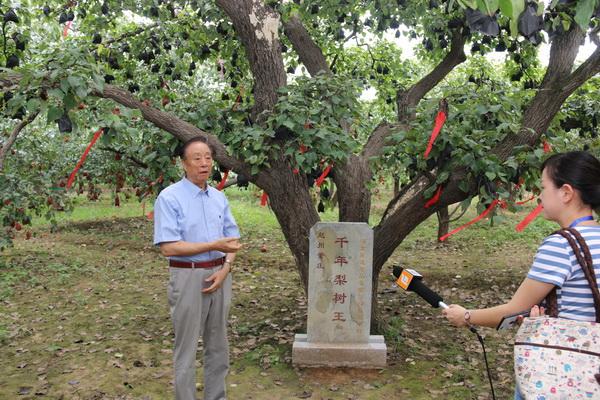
{"points": [[339, 300], [340, 283]]}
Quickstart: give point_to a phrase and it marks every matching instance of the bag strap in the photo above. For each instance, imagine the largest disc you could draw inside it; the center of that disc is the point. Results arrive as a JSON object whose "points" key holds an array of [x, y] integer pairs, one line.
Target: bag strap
{"points": [[579, 246]]}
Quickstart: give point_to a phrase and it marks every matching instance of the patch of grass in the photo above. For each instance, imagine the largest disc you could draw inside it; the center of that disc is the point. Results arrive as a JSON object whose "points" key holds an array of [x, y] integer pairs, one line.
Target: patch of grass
{"points": [[268, 355], [394, 333], [11, 275], [101, 209], [3, 334]]}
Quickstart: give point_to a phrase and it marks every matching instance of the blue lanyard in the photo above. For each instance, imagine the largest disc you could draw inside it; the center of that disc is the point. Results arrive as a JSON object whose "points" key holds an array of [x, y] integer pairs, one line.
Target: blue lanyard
{"points": [[581, 219]]}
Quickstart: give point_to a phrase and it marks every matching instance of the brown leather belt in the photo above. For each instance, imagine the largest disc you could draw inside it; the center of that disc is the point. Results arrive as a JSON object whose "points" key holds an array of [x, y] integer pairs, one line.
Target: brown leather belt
{"points": [[201, 264]]}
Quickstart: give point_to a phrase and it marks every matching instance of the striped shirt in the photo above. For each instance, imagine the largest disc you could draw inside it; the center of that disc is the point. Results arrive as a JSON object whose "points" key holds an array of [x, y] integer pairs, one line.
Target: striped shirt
{"points": [[555, 263]]}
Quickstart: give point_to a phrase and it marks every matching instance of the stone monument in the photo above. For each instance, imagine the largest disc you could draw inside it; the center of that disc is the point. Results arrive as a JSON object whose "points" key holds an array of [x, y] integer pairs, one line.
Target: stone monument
{"points": [[339, 300]]}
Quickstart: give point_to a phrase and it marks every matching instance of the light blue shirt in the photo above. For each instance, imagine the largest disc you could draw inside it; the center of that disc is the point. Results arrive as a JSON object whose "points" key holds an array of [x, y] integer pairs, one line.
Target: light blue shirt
{"points": [[185, 212]]}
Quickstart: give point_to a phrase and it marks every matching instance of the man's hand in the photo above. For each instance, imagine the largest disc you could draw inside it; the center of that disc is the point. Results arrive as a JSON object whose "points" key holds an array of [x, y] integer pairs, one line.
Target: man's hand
{"points": [[227, 245], [217, 279]]}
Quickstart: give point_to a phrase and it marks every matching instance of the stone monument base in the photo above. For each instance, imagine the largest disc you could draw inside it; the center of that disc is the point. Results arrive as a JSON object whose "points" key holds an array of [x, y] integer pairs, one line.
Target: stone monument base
{"points": [[357, 355]]}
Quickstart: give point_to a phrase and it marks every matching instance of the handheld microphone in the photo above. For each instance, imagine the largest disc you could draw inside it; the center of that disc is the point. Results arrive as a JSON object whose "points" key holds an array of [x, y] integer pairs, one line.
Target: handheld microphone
{"points": [[411, 280]]}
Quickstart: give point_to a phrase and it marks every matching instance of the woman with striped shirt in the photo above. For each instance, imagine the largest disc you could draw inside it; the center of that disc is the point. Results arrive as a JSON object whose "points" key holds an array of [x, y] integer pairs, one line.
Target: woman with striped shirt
{"points": [[570, 192]]}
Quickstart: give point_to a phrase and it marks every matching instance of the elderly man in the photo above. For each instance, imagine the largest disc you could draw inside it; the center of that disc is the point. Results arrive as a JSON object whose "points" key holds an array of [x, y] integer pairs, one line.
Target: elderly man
{"points": [[194, 228]]}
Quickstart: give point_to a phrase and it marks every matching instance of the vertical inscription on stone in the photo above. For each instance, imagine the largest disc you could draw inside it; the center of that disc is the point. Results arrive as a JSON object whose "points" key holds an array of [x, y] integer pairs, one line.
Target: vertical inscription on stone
{"points": [[339, 299]]}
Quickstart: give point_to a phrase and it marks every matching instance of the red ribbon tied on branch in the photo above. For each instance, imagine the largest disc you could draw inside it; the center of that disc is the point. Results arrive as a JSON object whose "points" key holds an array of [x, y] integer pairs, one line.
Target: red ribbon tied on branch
{"points": [[440, 119], [66, 28], [435, 198], [263, 199], [520, 203], [321, 178], [221, 184], [83, 157], [530, 217], [492, 205], [547, 147]]}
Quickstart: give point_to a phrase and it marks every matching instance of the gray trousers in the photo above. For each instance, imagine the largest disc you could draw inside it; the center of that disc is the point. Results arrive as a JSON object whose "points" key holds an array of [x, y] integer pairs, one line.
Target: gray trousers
{"points": [[196, 314]]}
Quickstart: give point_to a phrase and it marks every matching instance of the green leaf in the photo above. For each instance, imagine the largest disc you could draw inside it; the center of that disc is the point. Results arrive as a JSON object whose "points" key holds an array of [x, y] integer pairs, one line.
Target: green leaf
{"points": [[490, 175], [488, 6], [540, 9], [81, 92], [288, 123], [583, 13], [54, 113], [442, 177], [69, 101], [74, 81], [429, 191], [511, 162], [512, 9], [464, 205], [59, 94], [33, 104], [468, 3], [65, 85], [150, 157], [98, 83]]}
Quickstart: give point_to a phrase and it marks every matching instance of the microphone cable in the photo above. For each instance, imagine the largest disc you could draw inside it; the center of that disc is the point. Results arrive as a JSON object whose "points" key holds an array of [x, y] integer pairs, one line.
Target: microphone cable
{"points": [[436, 301], [487, 367]]}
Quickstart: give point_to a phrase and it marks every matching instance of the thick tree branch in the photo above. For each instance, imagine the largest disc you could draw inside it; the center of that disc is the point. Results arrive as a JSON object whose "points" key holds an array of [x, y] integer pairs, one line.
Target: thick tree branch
{"points": [[354, 195], [594, 38], [257, 26], [130, 34], [406, 211], [377, 139], [127, 156], [558, 84], [587, 70], [563, 52], [177, 127], [166, 121], [13, 137], [408, 100], [309, 53]]}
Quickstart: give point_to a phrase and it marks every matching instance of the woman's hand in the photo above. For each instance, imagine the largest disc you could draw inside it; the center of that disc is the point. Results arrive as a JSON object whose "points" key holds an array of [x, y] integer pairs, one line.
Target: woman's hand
{"points": [[536, 311], [455, 315]]}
